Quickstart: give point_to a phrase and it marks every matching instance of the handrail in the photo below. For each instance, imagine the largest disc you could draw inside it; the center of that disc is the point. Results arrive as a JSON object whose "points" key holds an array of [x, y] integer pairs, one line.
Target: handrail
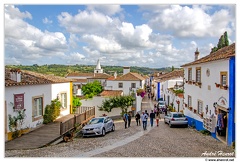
{"points": [[77, 119]]}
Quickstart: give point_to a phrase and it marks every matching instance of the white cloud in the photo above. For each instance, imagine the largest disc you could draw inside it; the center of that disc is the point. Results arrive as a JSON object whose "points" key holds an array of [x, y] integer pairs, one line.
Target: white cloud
{"points": [[24, 41], [47, 21], [189, 22], [105, 9]]}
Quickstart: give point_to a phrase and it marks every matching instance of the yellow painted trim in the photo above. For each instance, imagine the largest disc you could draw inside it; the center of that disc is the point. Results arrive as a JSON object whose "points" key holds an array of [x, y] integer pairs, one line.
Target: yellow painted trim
{"points": [[71, 98], [21, 132]]}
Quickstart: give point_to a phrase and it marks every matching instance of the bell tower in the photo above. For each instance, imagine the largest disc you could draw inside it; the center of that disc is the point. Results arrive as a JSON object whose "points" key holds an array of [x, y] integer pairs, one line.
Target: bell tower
{"points": [[98, 68]]}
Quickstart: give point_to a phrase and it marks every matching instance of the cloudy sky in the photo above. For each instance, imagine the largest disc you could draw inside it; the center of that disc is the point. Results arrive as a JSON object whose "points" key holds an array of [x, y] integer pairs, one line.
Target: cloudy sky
{"points": [[124, 35]]}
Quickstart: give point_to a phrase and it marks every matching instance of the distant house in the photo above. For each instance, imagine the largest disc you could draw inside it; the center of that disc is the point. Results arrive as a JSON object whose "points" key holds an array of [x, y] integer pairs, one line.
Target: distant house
{"points": [[209, 93], [164, 86], [30, 91], [129, 83], [81, 79]]}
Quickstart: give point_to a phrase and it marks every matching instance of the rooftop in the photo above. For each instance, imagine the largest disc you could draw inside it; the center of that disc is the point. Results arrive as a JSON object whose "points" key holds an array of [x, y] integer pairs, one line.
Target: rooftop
{"points": [[223, 53], [32, 78]]}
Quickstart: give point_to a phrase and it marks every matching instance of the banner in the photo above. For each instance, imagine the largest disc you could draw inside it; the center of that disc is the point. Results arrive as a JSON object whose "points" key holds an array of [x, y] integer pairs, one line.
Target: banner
{"points": [[19, 101]]}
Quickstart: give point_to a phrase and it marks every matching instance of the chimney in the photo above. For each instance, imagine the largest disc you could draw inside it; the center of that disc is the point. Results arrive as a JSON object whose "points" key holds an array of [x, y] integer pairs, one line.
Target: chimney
{"points": [[196, 54], [126, 70], [15, 75], [115, 75]]}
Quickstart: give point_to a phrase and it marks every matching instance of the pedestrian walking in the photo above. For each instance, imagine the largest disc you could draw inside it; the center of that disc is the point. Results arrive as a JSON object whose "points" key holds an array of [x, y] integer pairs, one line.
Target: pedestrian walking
{"points": [[125, 119], [147, 115], [137, 117], [129, 118], [144, 118], [152, 116], [158, 117]]}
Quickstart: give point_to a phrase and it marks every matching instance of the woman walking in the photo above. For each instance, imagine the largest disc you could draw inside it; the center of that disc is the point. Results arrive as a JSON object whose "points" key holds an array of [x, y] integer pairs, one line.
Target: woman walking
{"points": [[157, 117]]}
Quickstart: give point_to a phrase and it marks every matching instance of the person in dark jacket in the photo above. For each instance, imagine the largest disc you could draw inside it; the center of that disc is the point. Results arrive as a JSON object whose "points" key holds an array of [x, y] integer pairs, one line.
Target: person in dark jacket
{"points": [[125, 119], [137, 117], [152, 116], [129, 118]]}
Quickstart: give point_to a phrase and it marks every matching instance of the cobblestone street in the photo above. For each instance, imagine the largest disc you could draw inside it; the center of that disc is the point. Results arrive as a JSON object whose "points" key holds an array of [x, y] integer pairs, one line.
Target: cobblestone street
{"points": [[159, 141]]}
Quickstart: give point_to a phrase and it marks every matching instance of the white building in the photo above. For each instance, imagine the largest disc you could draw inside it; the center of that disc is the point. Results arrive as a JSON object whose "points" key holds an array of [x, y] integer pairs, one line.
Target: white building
{"points": [[30, 91], [165, 86], [81, 79], [129, 83], [207, 104]]}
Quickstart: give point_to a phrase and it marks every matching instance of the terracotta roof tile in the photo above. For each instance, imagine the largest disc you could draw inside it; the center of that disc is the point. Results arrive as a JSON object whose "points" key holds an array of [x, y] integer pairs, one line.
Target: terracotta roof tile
{"points": [[170, 75], [89, 75], [111, 93], [130, 77], [223, 53], [33, 78]]}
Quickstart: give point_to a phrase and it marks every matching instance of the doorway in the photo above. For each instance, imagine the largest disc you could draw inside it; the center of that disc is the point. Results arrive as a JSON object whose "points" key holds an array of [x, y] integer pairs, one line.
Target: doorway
{"points": [[222, 127]]}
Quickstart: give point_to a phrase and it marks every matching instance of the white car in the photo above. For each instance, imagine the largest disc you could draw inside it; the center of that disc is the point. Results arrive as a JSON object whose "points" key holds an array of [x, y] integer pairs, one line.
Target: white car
{"points": [[176, 118], [98, 126]]}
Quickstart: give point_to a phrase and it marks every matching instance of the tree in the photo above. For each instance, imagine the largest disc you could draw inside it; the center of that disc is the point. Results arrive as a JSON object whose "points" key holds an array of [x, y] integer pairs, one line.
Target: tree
{"points": [[226, 39], [222, 42], [76, 103], [122, 102], [172, 68], [92, 89]]}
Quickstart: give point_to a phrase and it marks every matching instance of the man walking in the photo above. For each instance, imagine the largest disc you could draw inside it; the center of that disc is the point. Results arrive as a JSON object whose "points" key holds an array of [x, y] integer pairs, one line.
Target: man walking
{"points": [[144, 120], [129, 118], [125, 119], [152, 116], [137, 117]]}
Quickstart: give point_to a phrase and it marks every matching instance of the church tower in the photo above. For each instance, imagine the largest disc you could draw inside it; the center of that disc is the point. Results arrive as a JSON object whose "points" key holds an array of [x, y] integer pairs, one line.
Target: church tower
{"points": [[98, 68]]}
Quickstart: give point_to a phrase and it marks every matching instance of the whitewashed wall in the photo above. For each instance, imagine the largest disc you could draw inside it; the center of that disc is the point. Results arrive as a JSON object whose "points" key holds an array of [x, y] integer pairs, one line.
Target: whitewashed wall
{"points": [[29, 92], [58, 88], [113, 85], [48, 91], [208, 93], [97, 101]]}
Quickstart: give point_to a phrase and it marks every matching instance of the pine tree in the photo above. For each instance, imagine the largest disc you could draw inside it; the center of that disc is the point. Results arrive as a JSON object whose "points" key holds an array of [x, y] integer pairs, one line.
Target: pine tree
{"points": [[226, 38]]}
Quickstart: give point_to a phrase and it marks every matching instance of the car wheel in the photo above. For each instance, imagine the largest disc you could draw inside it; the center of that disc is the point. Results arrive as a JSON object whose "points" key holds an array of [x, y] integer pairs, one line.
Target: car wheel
{"points": [[165, 121], [113, 128], [103, 132]]}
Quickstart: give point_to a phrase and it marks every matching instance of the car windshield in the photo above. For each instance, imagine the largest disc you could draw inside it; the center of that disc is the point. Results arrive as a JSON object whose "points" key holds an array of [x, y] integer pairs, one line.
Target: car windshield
{"points": [[96, 120], [161, 103], [178, 115]]}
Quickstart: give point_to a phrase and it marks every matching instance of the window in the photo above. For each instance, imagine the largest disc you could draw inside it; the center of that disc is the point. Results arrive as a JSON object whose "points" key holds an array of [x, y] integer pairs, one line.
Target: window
{"points": [[133, 85], [198, 75], [189, 73], [189, 101], [223, 76], [120, 85], [64, 100], [200, 107], [37, 106]]}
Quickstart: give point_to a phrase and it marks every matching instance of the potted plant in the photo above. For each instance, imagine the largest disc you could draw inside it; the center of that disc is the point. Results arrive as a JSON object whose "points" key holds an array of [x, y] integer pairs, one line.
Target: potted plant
{"points": [[194, 110], [225, 87], [190, 108], [201, 115], [185, 105], [193, 82], [217, 85], [186, 81], [189, 82]]}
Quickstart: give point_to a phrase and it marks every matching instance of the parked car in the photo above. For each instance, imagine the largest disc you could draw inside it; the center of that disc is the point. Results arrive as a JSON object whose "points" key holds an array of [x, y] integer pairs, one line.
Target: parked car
{"points": [[98, 126], [176, 118], [162, 106]]}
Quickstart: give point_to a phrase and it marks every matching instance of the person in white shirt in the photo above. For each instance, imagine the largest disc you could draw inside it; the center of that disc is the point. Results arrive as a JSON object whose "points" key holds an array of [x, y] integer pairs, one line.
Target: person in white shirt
{"points": [[144, 118]]}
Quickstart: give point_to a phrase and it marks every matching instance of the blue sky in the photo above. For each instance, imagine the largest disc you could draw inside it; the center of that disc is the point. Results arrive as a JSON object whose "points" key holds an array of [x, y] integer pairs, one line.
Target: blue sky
{"points": [[124, 35]]}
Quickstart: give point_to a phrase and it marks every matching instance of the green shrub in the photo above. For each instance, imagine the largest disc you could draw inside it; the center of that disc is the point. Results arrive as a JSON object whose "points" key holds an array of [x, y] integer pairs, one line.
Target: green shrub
{"points": [[52, 111]]}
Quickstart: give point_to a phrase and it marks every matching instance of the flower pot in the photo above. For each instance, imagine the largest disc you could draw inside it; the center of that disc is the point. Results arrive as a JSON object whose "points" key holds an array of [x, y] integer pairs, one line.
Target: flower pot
{"points": [[217, 85]]}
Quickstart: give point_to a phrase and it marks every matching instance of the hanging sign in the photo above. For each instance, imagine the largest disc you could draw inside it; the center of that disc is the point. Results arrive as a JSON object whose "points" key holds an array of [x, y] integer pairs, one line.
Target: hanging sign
{"points": [[18, 101]]}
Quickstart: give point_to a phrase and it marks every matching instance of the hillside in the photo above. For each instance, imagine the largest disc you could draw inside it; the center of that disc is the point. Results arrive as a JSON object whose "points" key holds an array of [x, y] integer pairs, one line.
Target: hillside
{"points": [[63, 70]]}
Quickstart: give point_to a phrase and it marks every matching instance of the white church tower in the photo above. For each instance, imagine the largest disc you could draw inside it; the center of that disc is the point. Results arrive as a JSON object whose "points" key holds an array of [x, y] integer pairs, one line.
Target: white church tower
{"points": [[98, 68]]}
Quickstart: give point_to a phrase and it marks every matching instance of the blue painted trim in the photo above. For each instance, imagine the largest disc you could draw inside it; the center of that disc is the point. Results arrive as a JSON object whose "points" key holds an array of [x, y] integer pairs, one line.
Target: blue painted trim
{"points": [[231, 123], [158, 90], [198, 125]]}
